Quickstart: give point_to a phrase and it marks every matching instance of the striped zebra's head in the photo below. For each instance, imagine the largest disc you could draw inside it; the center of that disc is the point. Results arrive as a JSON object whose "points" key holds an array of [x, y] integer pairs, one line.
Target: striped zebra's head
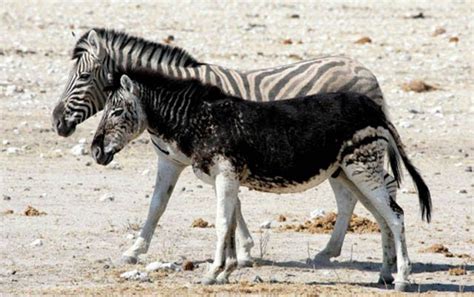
{"points": [[84, 95], [123, 120]]}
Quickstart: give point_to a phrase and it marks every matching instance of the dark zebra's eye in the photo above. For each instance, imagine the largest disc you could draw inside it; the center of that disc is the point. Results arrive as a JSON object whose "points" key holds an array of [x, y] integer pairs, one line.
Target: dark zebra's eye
{"points": [[84, 76], [117, 112]]}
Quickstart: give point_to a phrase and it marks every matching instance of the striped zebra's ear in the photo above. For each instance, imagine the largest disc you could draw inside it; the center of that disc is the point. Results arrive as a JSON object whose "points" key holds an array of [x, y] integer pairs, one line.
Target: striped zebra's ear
{"points": [[96, 47]]}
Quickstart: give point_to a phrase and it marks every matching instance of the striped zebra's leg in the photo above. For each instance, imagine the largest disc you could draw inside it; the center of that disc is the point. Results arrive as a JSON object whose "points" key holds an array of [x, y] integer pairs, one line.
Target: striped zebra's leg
{"points": [[345, 207], [244, 239], [166, 178]]}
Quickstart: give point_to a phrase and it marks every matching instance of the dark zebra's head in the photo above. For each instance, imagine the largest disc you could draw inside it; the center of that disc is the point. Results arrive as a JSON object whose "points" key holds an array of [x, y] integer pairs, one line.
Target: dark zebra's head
{"points": [[123, 120], [84, 95]]}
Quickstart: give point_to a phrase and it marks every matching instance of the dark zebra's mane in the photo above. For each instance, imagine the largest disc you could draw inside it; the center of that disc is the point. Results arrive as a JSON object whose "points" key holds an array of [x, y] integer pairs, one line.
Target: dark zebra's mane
{"points": [[153, 79], [172, 55]]}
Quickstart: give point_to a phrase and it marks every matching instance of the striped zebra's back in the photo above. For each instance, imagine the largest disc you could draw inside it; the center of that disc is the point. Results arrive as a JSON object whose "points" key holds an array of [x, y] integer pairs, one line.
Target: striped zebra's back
{"points": [[319, 75]]}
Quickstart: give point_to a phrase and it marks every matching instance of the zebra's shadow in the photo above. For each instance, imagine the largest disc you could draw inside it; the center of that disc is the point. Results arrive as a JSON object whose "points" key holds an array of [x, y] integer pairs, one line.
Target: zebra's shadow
{"points": [[417, 267]]}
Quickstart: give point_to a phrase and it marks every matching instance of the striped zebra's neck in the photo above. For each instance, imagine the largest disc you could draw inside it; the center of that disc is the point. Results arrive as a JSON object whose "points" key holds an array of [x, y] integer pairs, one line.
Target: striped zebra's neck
{"points": [[128, 51]]}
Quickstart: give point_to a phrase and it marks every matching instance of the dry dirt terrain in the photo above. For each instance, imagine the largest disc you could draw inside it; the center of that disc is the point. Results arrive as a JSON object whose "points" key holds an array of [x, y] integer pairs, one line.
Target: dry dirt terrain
{"points": [[73, 245]]}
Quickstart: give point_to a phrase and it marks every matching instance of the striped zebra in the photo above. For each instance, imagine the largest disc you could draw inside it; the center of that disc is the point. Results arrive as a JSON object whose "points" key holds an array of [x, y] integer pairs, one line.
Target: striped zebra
{"points": [[100, 52]]}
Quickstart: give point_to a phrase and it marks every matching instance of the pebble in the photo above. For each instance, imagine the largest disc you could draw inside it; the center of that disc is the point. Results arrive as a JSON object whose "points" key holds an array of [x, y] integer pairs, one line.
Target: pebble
{"points": [[6, 197], [266, 225], [5, 142], [43, 195], [115, 165], [462, 191], [257, 279], [318, 212], [79, 150], [37, 242], [468, 169], [107, 197], [130, 236], [135, 275], [154, 266], [146, 172], [273, 280], [13, 150], [405, 124]]}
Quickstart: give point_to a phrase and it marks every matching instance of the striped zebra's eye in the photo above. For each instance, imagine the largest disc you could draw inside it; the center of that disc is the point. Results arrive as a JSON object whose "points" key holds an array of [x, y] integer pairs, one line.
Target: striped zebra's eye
{"points": [[116, 113], [84, 76]]}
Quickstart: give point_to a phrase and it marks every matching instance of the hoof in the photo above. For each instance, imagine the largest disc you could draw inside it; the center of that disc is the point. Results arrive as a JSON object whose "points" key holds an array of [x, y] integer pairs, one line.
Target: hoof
{"points": [[401, 287], [222, 280], [385, 280], [208, 281], [245, 262], [129, 260], [318, 261]]}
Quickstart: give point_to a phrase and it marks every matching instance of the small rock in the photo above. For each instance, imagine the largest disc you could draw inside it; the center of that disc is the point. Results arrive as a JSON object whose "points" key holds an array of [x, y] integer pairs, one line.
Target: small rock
{"points": [[135, 275], [266, 225], [200, 223], [30, 211], [257, 279], [146, 172], [13, 150], [88, 163], [405, 124], [79, 150], [281, 218], [454, 39], [287, 41], [43, 195], [5, 142], [130, 236], [82, 141], [107, 197], [7, 212], [273, 280], [6, 197], [363, 40], [187, 265], [468, 169], [115, 165], [317, 213], [154, 266], [439, 31], [37, 242], [457, 271], [462, 191], [419, 15], [418, 86]]}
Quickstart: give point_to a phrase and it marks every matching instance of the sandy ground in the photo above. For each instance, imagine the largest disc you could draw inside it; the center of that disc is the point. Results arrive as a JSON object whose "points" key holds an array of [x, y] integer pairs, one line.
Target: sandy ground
{"points": [[83, 237]]}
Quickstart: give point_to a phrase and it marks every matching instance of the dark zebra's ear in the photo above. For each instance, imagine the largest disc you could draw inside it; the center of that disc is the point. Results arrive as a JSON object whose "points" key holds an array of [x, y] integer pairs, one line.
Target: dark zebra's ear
{"points": [[129, 85], [96, 47]]}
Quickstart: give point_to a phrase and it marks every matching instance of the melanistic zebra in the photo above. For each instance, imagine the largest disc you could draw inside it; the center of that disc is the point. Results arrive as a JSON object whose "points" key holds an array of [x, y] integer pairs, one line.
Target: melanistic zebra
{"points": [[229, 142], [100, 52]]}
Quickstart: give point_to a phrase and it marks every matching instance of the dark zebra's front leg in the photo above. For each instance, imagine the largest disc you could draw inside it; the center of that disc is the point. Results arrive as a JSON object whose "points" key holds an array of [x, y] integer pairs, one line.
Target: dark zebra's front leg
{"points": [[166, 178], [227, 188]]}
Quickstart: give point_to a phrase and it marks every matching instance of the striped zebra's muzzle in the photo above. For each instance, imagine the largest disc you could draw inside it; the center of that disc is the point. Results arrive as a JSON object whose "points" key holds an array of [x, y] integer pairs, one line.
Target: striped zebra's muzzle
{"points": [[60, 124]]}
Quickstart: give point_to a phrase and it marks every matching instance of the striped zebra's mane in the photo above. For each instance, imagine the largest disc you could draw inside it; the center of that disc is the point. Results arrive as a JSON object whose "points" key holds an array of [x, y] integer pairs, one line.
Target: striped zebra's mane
{"points": [[153, 79], [116, 39]]}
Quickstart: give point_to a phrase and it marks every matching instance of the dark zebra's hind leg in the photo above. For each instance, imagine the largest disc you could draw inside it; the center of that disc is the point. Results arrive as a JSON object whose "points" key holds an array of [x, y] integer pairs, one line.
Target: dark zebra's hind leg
{"points": [[346, 200], [364, 172]]}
